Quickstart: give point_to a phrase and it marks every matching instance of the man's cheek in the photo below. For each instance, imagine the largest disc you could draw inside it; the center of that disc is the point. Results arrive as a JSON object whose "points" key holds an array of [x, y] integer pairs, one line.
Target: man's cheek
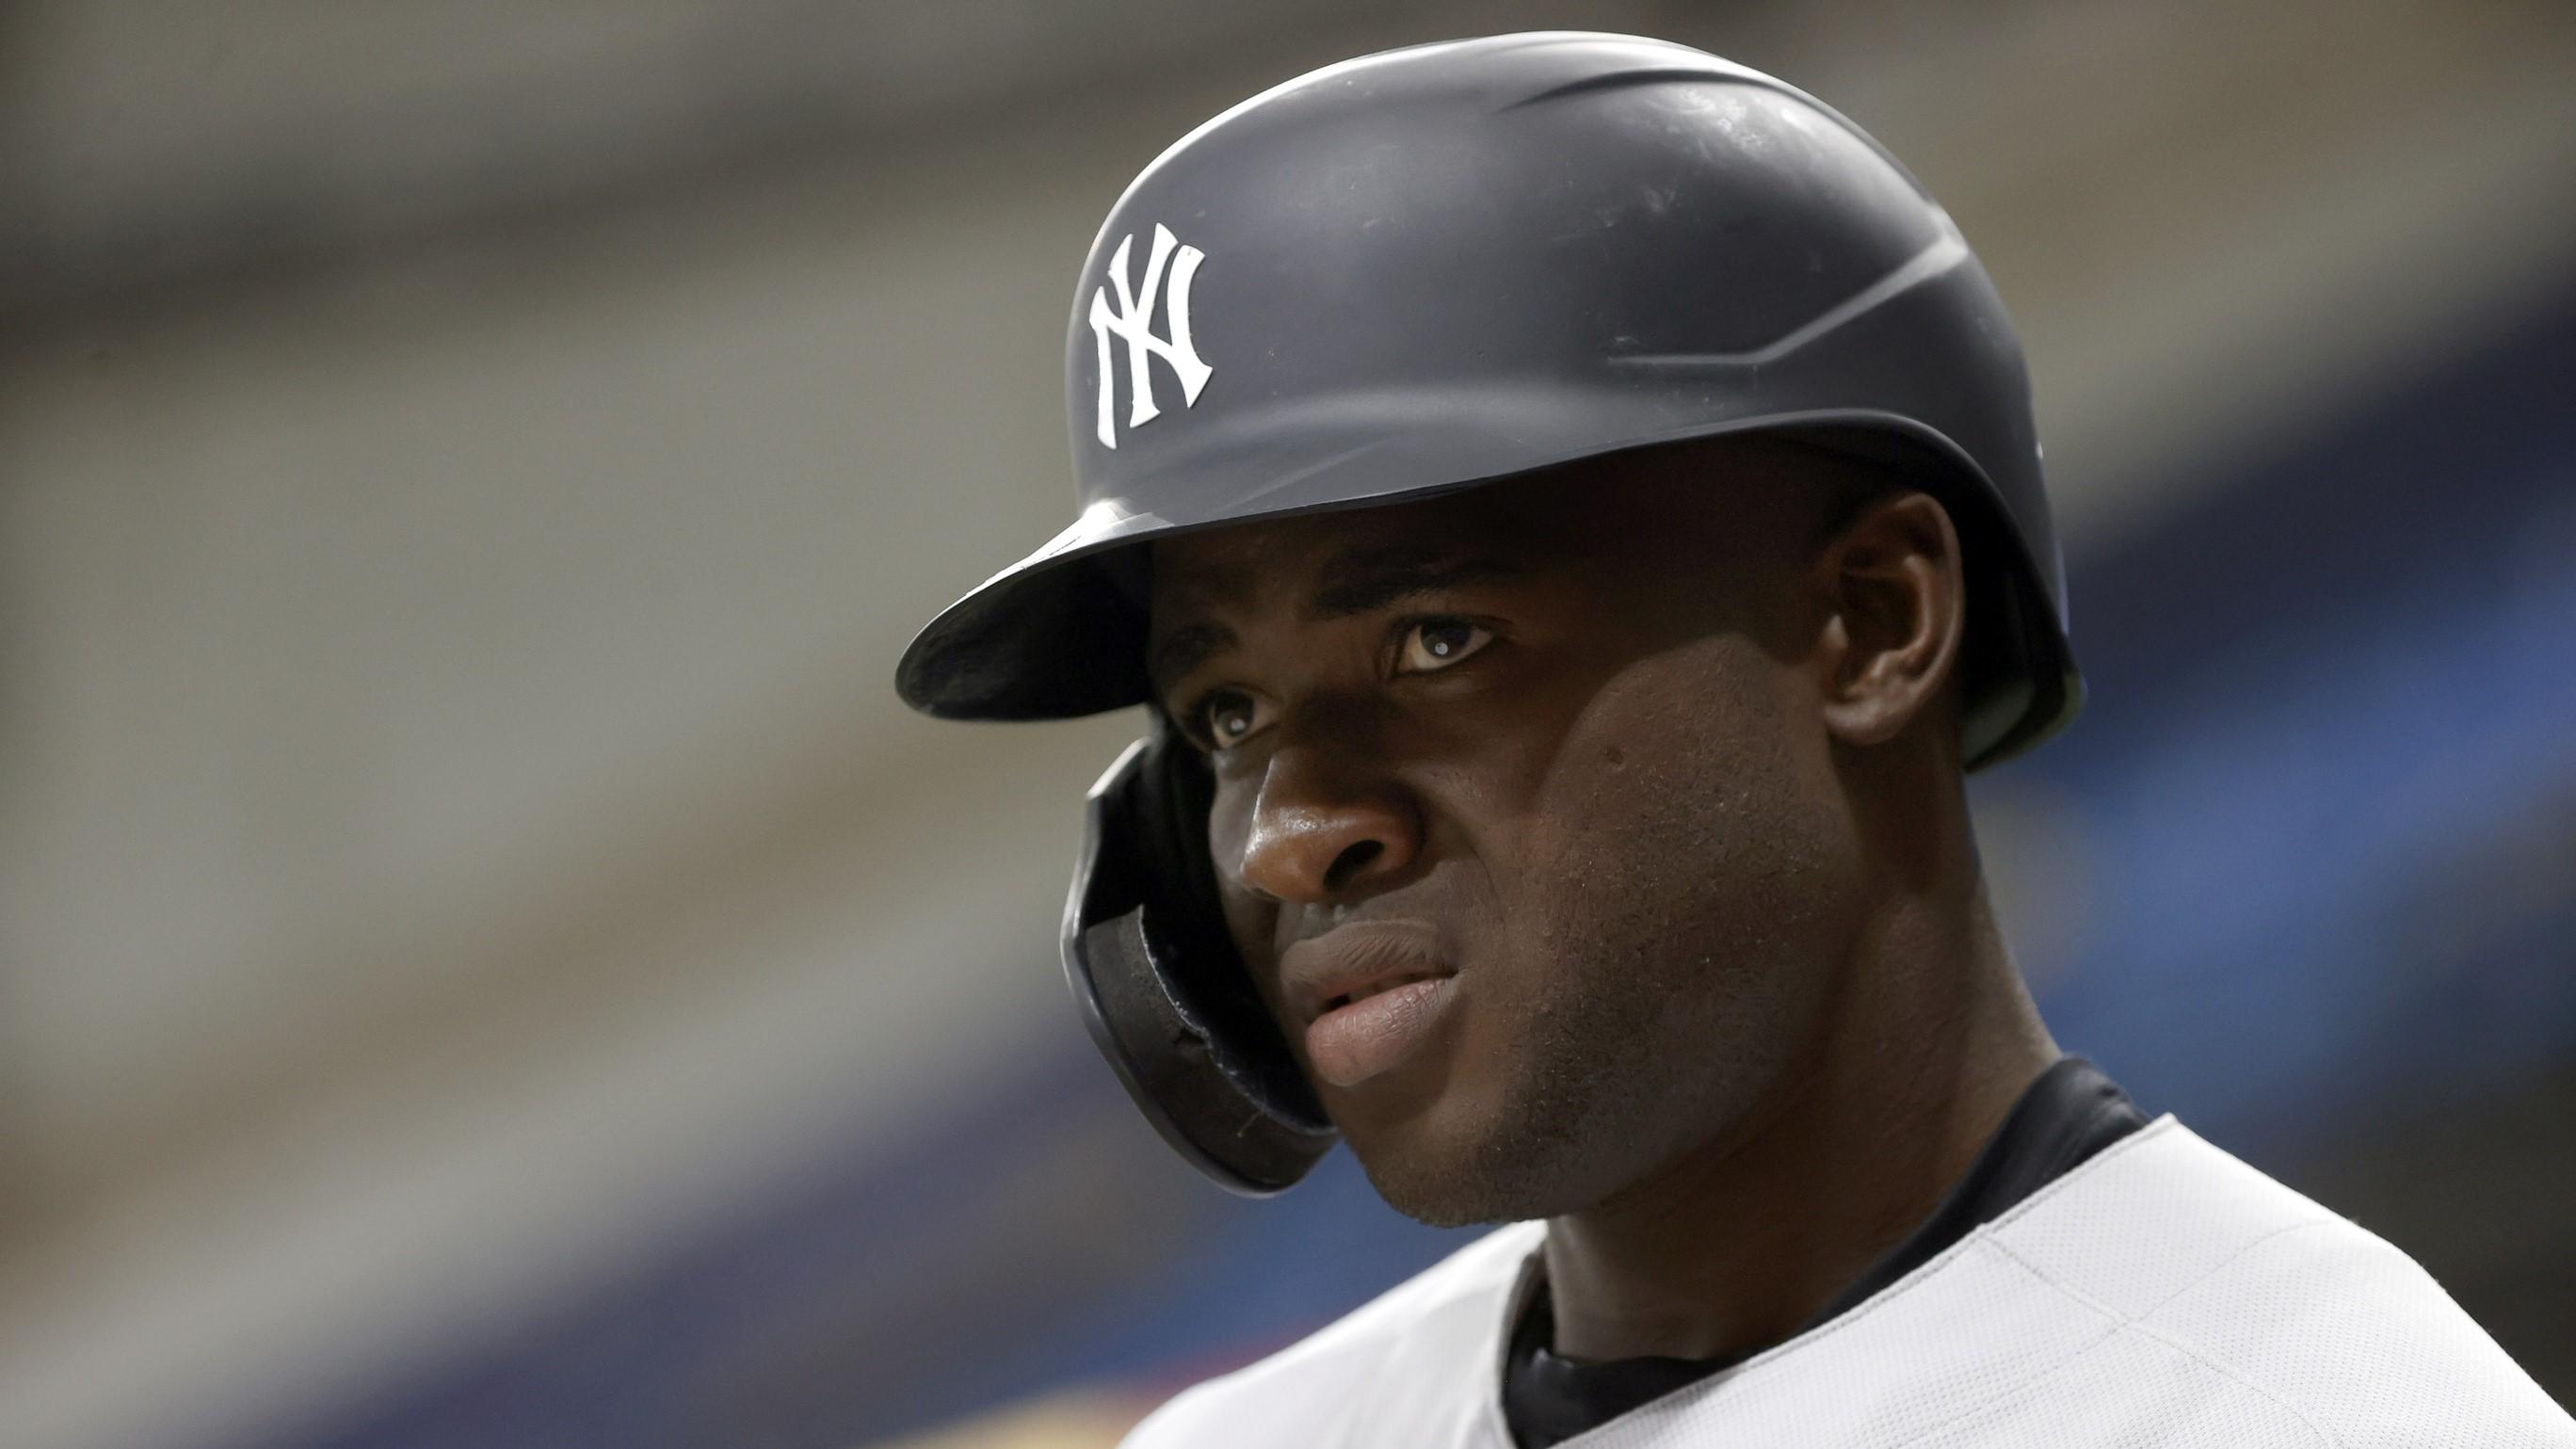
{"points": [[1247, 925]]}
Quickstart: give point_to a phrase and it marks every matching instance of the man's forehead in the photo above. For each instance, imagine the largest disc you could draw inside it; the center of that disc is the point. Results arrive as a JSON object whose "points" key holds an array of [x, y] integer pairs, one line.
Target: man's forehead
{"points": [[1322, 567]]}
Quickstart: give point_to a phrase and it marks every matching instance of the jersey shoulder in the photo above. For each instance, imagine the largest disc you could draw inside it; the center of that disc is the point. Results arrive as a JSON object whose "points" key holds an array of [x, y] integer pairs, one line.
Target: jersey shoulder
{"points": [[1388, 1372], [2208, 1272]]}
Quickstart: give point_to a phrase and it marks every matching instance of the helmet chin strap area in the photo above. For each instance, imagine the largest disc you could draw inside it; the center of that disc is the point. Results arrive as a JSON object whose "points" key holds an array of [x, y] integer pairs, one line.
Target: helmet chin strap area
{"points": [[1164, 992]]}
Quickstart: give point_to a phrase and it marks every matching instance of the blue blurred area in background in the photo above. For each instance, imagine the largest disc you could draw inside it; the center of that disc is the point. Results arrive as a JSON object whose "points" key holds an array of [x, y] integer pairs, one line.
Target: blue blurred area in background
{"points": [[2307, 864], [2323, 808]]}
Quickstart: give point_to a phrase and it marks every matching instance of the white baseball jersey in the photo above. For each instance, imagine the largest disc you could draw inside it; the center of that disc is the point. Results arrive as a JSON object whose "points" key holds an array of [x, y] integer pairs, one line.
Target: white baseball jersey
{"points": [[2161, 1294]]}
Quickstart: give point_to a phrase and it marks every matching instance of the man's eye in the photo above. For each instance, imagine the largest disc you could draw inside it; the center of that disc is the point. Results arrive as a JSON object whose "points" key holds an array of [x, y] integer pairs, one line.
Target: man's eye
{"points": [[1435, 644], [1227, 717]]}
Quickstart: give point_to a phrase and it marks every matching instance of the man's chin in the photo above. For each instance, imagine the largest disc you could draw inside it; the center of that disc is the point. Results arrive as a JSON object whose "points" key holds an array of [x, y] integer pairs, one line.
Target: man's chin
{"points": [[1453, 1140], [1439, 1199], [1443, 1177]]}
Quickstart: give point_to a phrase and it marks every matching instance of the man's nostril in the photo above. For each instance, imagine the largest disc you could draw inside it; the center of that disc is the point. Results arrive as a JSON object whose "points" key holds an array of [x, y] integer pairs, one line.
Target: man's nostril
{"points": [[1351, 862]]}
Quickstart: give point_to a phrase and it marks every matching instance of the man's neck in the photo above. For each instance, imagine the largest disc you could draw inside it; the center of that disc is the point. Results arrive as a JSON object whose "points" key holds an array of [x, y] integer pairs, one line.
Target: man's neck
{"points": [[1734, 1247]]}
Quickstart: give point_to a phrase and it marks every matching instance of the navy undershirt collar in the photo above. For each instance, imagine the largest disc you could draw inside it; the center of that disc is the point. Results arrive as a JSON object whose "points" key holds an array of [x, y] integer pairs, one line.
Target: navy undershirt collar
{"points": [[2070, 1113]]}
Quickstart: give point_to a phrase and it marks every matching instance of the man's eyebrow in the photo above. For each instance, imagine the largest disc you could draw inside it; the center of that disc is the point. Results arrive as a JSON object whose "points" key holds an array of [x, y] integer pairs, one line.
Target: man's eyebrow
{"points": [[1357, 582], [1365, 580], [1183, 650]]}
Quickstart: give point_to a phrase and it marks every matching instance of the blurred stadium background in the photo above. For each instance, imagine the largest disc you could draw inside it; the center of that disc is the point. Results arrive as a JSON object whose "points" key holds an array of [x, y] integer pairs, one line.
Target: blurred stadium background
{"points": [[485, 960]]}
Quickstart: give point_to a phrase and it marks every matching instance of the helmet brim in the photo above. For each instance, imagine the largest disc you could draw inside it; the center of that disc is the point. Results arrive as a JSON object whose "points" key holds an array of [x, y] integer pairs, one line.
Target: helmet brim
{"points": [[1062, 633]]}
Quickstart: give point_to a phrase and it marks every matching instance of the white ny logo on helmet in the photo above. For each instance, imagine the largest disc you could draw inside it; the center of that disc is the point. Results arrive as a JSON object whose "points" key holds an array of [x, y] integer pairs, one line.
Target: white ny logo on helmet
{"points": [[1133, 321]]}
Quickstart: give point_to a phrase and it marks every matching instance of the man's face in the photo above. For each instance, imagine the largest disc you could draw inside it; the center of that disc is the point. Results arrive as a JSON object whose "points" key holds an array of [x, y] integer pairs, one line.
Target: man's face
{"points": [[1525, 823]]}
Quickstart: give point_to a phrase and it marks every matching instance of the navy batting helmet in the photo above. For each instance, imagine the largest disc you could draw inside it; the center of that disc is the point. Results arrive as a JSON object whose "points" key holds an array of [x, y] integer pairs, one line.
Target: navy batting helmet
{"points": [[1425, 270]]}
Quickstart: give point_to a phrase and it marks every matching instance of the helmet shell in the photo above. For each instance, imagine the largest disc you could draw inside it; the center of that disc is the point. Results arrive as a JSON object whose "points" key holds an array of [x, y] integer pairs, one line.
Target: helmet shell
{"points": [[1438, 266], [1423, 271]]}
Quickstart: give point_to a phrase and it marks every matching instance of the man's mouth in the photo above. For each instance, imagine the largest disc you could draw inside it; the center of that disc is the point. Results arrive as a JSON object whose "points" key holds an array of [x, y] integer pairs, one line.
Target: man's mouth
{"points": [[1373, 1033], [1375, 988], [1366, 993]]}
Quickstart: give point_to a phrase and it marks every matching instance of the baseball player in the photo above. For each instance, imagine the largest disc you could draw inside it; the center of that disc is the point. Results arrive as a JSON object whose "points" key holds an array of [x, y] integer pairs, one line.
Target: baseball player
{"points": [[1570, 508]]}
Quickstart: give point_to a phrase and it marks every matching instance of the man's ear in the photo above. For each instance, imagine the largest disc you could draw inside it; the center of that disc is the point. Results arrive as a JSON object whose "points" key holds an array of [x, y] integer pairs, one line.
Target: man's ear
{"points": [[1894, 595]]}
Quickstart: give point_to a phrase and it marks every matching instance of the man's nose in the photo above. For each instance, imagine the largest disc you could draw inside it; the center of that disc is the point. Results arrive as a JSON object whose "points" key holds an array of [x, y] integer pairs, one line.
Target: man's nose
{"points": [[1324, 833]]}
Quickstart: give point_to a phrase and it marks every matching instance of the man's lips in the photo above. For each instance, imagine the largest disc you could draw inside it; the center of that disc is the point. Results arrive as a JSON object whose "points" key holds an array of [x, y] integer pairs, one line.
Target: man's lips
{"points": [[1356, 961], [1365, 993]]}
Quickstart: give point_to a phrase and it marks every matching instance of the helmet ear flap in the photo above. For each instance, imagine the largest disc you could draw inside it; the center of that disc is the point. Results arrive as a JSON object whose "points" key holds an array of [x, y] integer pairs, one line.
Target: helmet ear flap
{"points": [[1162, 988]]}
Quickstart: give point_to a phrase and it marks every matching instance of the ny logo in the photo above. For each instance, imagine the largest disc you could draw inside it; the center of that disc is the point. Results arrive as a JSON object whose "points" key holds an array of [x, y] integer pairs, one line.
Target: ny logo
{"points": [[1133, 320]]}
